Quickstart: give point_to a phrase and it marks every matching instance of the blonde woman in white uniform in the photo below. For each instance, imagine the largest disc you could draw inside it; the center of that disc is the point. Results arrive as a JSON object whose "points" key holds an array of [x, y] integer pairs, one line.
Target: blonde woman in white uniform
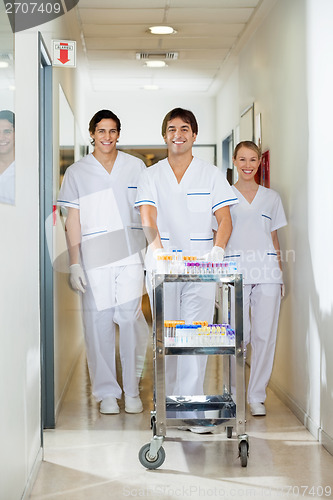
{"points": [[177, 197], [105, 237], [254, 245]]}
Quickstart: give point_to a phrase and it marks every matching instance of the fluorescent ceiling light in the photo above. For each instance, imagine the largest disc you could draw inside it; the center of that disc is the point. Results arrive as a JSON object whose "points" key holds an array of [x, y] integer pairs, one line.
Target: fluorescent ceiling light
{"points": [[4, 64], [151, 87], [162, 30], [155, 64]]}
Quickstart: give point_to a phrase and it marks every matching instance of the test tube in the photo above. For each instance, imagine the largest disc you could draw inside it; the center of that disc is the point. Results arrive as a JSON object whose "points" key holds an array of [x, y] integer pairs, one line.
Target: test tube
{"points": [[180, 262]]}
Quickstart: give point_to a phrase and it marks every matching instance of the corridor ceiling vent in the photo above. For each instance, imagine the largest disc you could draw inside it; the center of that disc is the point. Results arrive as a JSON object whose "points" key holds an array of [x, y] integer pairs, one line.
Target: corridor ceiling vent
{"points": [[157, 56], [162, 30]]}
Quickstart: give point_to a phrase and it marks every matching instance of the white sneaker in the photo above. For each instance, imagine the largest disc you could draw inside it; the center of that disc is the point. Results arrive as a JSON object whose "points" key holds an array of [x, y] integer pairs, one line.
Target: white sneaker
{"points": [[109, 406], [133, 405], [257, 409]]}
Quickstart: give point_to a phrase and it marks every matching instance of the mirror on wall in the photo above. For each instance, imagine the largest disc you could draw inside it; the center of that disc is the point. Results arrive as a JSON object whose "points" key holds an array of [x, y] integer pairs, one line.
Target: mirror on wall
{"points": [[7, 114], [66, 134]]}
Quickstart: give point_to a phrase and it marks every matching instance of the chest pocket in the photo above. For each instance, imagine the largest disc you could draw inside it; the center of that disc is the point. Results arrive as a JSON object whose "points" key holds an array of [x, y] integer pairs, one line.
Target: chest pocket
{"points": [[131, 194], [266, 221], [199, 200]]}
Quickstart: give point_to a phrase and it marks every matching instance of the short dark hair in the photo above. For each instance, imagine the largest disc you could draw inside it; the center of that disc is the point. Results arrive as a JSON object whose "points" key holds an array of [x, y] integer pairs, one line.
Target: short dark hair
{"points": [[5, 114], [101, 115], [186, 115]]}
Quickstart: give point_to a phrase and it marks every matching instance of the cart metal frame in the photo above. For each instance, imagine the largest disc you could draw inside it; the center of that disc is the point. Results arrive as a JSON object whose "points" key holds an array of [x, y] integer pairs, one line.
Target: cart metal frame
{"points": [[228, 410]]}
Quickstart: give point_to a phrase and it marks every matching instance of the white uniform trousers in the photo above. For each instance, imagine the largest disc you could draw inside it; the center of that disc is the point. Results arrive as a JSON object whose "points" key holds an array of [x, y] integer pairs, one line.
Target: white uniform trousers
{"points": [[100, 326], [261, 306], [185, 375]]}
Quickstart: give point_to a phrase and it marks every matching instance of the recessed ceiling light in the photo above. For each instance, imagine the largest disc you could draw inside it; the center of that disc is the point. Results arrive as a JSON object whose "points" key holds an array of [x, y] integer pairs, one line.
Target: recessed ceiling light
{"points": [[155, 64], [151, 87], [4, 64], [162, 30]]}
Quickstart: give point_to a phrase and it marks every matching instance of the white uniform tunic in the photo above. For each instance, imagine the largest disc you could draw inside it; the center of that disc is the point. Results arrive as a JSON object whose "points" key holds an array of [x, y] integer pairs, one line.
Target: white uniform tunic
{"points": [[184, 215], [111, 247], [184, 210], [251, 246]]}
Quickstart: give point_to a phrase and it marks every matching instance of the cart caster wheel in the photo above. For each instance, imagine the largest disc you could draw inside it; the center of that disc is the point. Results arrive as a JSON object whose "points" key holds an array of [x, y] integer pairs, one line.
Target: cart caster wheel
{"points": [[243, 452], [149, 463], [229, 432]]}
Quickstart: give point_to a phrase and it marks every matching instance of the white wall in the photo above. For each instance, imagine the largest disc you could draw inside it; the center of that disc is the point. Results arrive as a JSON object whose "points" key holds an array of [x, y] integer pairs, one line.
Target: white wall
{"points": [[19, 294], [227, 111], [282, 69], [272, 71], [320, 208]]}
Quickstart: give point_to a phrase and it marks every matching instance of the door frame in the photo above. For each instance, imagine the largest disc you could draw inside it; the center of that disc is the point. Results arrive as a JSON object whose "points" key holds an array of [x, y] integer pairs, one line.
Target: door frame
{"points": [[46, 229]]}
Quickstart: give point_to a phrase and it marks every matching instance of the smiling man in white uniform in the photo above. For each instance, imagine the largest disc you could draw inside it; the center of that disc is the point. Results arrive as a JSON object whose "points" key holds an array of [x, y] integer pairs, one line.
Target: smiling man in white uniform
{"points": [[177, 197], [105, 241]]}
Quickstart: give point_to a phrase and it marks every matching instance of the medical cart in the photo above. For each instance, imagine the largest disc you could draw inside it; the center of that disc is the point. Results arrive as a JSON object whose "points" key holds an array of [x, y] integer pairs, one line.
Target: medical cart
{"points": [[209, 410]]}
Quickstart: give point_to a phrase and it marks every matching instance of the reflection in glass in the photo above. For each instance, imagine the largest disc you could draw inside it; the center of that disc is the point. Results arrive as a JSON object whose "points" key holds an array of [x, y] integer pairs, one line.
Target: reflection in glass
{"points": [[7, 157], [7, 117]]}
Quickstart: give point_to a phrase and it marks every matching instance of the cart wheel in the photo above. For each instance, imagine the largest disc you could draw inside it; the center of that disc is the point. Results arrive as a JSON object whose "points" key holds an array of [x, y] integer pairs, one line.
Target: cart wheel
{"points": [[243, 452], [148, 462], [229, 432]]}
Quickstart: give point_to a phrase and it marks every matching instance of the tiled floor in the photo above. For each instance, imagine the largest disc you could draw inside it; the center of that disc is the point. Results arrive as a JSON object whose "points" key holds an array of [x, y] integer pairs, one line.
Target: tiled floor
{"points": [[92, 456]]}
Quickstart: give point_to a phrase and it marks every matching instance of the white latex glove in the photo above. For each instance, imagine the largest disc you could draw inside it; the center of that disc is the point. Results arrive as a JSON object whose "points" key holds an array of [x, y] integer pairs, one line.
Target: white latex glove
{"points": [[215, 255], [77, 278]]}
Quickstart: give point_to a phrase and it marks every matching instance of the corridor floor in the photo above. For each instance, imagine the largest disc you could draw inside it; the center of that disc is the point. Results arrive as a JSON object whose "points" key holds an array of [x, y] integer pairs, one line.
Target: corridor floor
{"points": [[93, 456]]}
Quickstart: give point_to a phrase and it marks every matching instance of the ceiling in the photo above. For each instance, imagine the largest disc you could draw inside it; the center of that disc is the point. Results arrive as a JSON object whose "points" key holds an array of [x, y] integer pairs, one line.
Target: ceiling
{"points": [[207, 31]]}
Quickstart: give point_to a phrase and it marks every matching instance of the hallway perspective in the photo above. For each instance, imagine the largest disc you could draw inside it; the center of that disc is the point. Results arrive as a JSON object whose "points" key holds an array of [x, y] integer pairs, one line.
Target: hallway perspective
{"points": [[93, 456]]}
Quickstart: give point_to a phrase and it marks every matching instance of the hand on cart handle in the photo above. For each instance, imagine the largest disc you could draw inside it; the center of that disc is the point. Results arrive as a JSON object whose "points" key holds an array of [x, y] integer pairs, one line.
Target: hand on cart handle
{"points": [[215, 255]]}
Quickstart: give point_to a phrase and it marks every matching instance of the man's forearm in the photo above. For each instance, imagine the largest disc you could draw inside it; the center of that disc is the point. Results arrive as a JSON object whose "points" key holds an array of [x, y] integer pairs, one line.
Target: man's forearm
{"points": [[73, 236], [224, 227], [148, 219]]}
